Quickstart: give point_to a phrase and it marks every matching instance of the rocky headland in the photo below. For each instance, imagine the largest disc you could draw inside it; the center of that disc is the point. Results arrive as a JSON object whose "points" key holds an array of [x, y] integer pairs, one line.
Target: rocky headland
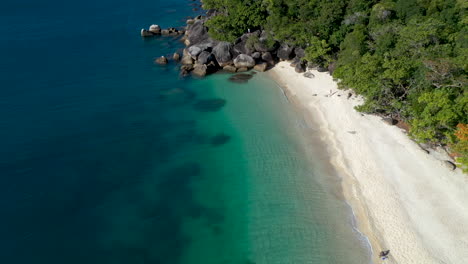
{"points": [[204, 55]]}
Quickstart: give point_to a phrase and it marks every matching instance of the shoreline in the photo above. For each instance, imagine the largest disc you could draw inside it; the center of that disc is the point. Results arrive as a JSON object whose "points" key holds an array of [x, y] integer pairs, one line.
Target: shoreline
{"points": [[403, 199]]}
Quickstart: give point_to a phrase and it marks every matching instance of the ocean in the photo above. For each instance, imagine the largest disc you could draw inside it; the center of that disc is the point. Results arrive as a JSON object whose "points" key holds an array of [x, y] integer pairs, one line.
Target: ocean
{"points": [[106, 157]]}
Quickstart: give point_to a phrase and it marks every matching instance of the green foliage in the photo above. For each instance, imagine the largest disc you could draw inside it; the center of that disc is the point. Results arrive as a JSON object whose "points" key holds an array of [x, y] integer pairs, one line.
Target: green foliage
{"points": [[235, 18]]}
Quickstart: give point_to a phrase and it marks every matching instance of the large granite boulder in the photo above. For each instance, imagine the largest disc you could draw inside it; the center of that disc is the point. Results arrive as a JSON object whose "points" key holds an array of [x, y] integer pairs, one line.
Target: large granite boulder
{"points": [[267, 57], [285, 52], [194, 51], [222, 53], [197, 32], [155, 29], [242, 48], [205, 57], [199, 70], [244, 61]]}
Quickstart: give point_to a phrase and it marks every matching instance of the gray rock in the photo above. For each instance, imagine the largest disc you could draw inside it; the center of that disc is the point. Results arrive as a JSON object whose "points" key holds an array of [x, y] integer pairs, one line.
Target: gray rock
{"points": [[242, 69], [244, 61], [187, 67], [205, 57], [266, 56], [190, 21], [194, 51], [222, 53], [199, 70], [197, 32], [285, 52], [256, 55], [176, 56], [300, 67], [146, 33], [241, 48], [155, 29], [309, 75], [261, 67], [229, 68], [300, 53], [161, 60]]}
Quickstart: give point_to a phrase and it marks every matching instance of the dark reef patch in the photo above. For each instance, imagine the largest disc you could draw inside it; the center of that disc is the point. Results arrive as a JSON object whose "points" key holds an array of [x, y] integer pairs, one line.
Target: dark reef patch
{"points": [[219, 139], [209, 105], [240, 78]]}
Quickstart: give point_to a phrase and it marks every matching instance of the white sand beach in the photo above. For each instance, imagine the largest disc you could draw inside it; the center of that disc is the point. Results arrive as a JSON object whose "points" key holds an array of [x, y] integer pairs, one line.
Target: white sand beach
{"points": [[405, 200]]}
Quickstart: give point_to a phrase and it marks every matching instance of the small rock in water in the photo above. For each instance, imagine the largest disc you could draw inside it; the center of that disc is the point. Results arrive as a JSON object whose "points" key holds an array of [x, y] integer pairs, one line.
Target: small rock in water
{"points": [[240, 78], [176, 56], [209, 105], [155, 29], [220, 139], [161, 60], [243, 69]]}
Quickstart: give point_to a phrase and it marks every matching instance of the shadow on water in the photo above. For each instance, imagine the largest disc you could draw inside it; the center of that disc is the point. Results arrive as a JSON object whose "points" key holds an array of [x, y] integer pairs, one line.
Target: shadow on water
{"points": [[219, 139], [209, 105], [240, 78]]}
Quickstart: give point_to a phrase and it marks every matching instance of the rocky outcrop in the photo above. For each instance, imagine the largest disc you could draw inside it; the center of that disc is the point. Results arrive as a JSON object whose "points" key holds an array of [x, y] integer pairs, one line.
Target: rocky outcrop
{"points": [[204, 55], [155, 30], [161, 60], [222, 53], [244, 61]]}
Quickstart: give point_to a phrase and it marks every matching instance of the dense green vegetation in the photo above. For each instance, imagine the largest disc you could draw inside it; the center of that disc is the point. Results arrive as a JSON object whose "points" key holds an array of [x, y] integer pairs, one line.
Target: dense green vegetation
{"points": [[408, 58]]}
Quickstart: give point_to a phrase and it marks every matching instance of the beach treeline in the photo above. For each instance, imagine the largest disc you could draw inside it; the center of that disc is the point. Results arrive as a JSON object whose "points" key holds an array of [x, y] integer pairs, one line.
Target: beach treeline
{"points": [[407, 58]]}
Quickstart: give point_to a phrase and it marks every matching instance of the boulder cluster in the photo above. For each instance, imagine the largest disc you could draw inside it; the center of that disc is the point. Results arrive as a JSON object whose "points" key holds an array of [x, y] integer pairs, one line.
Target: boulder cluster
{"points": [[155, 30], [204, 55]]}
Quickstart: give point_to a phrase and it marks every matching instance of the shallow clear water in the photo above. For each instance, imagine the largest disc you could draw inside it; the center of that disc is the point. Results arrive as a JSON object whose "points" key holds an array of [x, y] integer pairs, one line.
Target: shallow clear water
{"points": [[108, 158]]}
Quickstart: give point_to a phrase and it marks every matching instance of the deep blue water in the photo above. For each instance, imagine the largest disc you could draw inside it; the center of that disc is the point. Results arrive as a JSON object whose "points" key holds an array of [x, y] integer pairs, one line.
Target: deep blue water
{"points": [[83, 120]]}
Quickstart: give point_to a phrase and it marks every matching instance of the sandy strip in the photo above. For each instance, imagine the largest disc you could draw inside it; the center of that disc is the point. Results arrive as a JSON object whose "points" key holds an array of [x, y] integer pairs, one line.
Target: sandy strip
{"points": [[405, 200]]}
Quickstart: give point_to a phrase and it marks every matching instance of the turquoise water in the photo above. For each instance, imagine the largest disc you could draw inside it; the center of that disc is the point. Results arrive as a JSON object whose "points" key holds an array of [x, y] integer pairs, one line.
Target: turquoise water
{"points": [[108, 158]]}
